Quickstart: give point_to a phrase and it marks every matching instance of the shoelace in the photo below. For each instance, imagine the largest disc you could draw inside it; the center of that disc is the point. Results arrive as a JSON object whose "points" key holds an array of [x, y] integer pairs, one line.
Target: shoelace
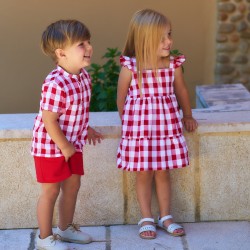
{"points": [[74, 227], [54, 238]]}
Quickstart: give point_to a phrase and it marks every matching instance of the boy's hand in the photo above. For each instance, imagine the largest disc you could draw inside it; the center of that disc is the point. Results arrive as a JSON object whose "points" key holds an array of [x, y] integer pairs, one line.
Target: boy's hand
{"points": [[68, 151], [189, 123], [94, 136]]}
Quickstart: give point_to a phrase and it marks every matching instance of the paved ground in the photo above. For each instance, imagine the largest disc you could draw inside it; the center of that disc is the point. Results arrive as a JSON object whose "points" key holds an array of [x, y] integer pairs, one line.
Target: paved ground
{"points": [[200, 236]]}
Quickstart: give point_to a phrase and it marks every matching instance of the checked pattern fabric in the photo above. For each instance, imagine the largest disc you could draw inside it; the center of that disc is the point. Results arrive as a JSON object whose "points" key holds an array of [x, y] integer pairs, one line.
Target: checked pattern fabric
{"points": [[69, 96], [152, 136]]}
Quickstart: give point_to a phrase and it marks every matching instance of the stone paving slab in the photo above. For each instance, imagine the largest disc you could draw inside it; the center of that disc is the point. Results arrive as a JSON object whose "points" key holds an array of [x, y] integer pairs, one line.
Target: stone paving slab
{"points": [[200, 236], [18, 239], [126, 238], [218, 235]]}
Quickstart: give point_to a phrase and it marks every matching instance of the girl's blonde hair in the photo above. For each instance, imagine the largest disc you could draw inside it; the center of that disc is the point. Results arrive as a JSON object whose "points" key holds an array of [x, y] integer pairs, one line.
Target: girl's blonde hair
{"points": [[143, 39], [62, 33]]}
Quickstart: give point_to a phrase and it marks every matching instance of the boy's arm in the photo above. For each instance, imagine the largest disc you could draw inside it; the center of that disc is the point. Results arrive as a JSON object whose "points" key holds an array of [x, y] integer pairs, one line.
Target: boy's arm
{"points": [[94, 136], [51, 124], [122, 88]]}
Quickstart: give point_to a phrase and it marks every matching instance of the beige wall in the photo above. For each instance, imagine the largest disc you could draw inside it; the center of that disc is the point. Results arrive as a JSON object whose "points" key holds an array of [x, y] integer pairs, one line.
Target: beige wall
{"points": [[23, 66]]}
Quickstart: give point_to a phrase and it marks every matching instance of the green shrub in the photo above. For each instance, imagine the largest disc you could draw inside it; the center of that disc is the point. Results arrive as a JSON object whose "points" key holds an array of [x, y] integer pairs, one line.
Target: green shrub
{"points": [[104, 82]]}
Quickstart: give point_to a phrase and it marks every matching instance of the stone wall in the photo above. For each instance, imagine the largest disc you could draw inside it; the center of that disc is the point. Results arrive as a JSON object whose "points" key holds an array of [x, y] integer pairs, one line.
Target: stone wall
{"points": [[213, 187], [232, 42]]}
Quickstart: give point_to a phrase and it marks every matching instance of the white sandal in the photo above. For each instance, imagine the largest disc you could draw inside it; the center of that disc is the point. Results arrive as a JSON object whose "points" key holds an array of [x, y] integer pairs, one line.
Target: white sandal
{"points": [[147, 228], [171, 228]]}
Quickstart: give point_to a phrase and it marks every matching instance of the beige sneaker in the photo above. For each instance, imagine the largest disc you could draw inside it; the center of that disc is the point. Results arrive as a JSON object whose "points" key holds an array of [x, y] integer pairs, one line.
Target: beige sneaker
{"points": [[74, 234], [52, 242]]}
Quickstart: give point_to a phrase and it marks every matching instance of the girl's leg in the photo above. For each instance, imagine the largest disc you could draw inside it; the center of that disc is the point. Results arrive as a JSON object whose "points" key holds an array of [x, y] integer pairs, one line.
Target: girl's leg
{"points": [[67, 200], [45, 208], [144, 180], [163, 190]]}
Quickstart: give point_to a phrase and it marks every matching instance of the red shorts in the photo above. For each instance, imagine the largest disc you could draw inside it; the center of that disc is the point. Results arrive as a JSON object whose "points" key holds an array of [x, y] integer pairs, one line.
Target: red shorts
{"points": [[56, 169]]}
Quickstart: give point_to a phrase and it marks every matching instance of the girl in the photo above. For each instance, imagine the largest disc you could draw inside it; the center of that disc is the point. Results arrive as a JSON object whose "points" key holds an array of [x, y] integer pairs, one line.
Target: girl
{"points": [[150, 87]]}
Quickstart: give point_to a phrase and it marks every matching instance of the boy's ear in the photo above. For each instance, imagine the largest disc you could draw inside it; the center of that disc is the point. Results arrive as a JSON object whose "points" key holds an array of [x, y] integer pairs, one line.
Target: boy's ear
{"points": [[60, 53]]}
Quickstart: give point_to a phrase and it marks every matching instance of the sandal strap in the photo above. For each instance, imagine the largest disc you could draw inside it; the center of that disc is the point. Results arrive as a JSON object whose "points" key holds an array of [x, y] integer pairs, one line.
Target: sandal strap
{"points": [[172, 227], [167, 217], [147, 228], [146, 220], [161, 220]]}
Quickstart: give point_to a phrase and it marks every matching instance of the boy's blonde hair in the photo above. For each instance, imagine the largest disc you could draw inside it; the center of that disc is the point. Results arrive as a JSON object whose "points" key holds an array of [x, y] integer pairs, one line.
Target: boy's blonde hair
{"points": [[62, 33], [143, 39]]}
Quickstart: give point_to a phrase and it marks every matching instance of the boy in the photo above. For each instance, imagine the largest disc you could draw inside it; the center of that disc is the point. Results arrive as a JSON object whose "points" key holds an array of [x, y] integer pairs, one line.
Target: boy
{"points": [[60, 131]]}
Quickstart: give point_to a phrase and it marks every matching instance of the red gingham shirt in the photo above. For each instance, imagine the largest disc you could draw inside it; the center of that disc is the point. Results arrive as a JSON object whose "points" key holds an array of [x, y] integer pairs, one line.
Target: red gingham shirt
{"points": [[69, 96]]}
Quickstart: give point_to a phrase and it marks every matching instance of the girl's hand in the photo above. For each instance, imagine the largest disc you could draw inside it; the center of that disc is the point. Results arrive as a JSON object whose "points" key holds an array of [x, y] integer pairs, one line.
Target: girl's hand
{"points": [[68, 151], [189, 123], [94, 136]]}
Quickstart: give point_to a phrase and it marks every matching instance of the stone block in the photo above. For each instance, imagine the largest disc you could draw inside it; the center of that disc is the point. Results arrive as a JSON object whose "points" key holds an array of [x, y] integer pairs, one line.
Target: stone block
{"points": [[18, 187], [100, 200], [185, 185], [209, 96], [224, 176]]}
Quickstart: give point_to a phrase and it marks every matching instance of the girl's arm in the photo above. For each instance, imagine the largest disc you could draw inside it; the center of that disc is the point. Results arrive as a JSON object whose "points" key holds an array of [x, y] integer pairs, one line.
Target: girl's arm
{"points": [[122, 88], [51, 124], [183, 99]]}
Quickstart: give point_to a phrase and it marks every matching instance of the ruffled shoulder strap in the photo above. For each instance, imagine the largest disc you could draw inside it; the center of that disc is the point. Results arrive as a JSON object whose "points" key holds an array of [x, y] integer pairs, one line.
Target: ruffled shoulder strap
{"points": [[177, 61], [129, 62]]}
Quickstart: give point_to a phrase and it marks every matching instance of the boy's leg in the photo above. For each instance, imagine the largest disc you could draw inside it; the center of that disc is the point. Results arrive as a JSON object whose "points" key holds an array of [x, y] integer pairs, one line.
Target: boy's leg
{"points": [[67, 200], [144, 181], [163, 190], [45, 208], [66, 229]]}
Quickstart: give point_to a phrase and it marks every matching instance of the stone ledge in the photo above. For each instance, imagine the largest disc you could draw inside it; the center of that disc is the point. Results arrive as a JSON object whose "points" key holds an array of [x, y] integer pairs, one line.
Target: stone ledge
{"points": [[20, 125], [210, 120]]}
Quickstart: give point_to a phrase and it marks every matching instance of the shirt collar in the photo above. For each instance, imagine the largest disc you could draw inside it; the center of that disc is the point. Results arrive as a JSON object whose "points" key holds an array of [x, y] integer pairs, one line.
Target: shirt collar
{"points": [[66, 74]]}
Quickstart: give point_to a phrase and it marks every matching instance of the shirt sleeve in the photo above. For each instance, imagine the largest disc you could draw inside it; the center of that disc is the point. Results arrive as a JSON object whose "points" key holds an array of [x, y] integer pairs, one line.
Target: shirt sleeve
{"points": [[53, 98]]}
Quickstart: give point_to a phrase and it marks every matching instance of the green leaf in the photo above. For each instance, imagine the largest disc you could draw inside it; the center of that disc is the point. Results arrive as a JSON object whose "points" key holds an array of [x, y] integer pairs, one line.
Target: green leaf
{"points": [[104, 81]]}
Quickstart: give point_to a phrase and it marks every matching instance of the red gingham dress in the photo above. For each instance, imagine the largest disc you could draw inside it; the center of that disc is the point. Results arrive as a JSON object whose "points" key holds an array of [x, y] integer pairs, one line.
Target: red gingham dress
{"points": [[152, 136], [69, 96]]}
